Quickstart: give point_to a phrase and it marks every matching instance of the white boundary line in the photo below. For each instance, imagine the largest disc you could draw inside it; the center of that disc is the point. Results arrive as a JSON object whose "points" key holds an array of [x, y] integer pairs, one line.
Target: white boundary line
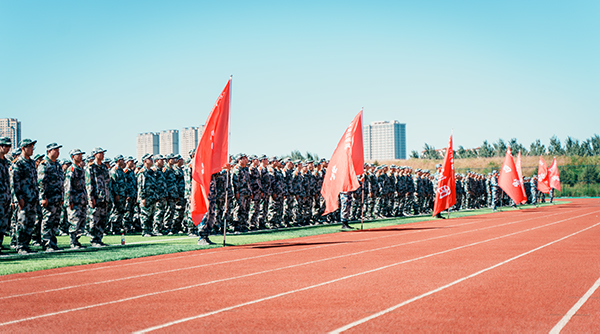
{"points": [[375, 270], [563, 322], [266, 255]]}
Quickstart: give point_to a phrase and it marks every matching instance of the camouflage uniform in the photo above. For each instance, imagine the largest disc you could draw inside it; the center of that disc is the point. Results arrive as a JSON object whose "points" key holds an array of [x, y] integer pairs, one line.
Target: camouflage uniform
{"points": [[266, 178], [171, 198], [276, 204], [256, 187], [161, 194], [208, 221], [97, 183], [75, 196], [5, 208], [118, 191], [50, 183], [288, 196], [146, 182], [179, 216], [25, 188], [131, 200], [243, 194]]}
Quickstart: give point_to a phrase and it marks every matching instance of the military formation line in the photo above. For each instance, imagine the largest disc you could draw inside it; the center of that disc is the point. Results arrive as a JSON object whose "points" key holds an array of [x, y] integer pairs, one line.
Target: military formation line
{"points": [[43, 196]]}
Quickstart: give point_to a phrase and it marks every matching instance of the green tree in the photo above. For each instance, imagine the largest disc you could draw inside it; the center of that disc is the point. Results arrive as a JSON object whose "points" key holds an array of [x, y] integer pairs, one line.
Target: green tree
{"points": [[486, 150], [555, 148], [414, 154], [515, 147], [572, 147], [500, 148], [296, 155], [312, 156], [595, 144], [429, 152], [537, 148]]}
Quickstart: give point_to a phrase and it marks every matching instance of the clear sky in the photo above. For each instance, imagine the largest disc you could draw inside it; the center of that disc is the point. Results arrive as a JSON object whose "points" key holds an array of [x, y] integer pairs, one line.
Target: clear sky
{"points": [[97, 73]]}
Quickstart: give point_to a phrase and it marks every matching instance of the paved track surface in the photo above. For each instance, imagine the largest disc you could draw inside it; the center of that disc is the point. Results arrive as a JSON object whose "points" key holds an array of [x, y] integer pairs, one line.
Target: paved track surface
{"points": [[534, 270]]}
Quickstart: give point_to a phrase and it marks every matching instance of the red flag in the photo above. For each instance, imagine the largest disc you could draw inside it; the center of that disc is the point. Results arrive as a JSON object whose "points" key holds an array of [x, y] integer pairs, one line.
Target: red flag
{"points": [[211, 154], [543, 184], [346, 162], [509, 179], [445, 195], [554, 175], [520, 173]]}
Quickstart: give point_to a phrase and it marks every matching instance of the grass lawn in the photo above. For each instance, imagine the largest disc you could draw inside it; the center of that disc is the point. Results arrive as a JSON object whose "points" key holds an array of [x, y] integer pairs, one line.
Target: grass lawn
{"points": [[137, 246]]}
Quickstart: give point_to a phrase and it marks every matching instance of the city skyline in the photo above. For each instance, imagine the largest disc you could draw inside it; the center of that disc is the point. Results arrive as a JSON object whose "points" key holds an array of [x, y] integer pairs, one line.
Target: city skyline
{"points": [[89, 74]]}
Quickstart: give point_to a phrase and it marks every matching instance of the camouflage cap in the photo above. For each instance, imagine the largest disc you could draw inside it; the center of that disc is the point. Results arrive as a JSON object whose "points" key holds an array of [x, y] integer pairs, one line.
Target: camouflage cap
{"points": [[98, 150], [106, 161], [52, 146], [129, 159], [263, 157], [90, 158], [139, 165], [27, 142], [118, 157], [5, 141], [38, 156], [177, 156], [158, 157], [75, 151], [67, 162], [192, 152], [146, 156]]}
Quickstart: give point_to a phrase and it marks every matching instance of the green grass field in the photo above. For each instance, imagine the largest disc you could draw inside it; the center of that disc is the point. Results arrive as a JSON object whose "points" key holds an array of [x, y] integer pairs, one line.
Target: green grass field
{"points": [[136, 246]]}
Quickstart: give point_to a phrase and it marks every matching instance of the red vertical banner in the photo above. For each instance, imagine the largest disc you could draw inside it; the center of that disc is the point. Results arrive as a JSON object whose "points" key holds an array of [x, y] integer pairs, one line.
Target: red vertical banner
{"points": [[445, 195], [211, 154], [543, 183], [520, 173], [346, 162], [509, 179], [554, 175]]}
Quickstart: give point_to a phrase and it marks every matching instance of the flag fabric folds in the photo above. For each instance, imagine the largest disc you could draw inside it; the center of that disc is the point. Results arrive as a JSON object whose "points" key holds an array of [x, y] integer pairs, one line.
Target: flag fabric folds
{"points": [[211, 154], [554, 175], [509, 179], [346, 163], [445, 195], [543, 182], [520, 173]]}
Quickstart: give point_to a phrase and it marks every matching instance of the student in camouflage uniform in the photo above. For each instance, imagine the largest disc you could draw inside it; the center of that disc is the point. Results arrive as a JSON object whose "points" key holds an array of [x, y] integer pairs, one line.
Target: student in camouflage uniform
{"points": [[161, 193], [26, 195], [50, 183], [172, 193], [208, 221], [98, 190], [243, 194], [255, 185], [266, 179], [178, 217], [118, 191], [5, 208], [288, 195], [493, 185], [75, 198], [146, 182], [130, 193]]}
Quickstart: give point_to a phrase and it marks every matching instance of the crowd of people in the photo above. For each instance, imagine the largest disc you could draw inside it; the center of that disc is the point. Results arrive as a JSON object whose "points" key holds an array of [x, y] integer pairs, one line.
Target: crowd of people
{"points": [[43, 196]]}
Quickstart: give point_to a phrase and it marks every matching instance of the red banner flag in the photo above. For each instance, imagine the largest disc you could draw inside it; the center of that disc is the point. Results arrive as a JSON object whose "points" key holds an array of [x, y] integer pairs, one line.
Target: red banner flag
{"points": [[554, 175], [346, 162], [445, 195], [543, 183], [509, 179], [211, 154], [520, 173]]}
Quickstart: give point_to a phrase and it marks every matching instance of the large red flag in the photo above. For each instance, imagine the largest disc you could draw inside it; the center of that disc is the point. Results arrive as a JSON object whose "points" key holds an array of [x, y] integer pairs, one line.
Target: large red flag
{"points": [[543, 183], [346, 162], [211, 154], [520, 173], [445, 195], [554, 175], [509, 179]]}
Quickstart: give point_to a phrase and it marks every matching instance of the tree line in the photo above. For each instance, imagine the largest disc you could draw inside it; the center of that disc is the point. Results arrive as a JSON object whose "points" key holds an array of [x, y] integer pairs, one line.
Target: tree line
{"points": [[572, 147]]}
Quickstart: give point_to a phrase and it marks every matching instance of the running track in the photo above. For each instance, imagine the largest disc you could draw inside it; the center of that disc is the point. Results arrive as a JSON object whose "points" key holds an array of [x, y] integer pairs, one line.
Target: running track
{"points": [[534, 270]]}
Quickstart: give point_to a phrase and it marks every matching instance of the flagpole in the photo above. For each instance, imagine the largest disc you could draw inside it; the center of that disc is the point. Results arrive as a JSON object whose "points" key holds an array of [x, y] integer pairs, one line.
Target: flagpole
{"points": [[362, 204], [227, 181]]}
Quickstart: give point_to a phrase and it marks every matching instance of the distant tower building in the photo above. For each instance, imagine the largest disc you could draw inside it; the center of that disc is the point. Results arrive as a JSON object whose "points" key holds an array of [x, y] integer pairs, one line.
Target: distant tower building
{"points": [[189, 139], [384, 140], [147, 143], [11, 128], [169, 142]]}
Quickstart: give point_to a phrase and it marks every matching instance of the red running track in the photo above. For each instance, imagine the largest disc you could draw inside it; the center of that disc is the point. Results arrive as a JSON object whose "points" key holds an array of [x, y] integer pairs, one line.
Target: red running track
{"points": [[534, 270]]}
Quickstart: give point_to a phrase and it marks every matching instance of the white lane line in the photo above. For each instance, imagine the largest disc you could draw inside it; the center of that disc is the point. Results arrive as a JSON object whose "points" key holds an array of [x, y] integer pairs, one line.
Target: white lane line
{"points": [[373, 316], [261, 256], [364, 273], [563, 322]]}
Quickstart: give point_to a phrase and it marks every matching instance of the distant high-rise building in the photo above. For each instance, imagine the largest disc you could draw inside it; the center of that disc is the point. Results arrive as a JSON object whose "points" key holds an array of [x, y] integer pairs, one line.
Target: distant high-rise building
{"points": [[169, 142], [384, 140], [189, 139], [11, 128], [147, 143]]}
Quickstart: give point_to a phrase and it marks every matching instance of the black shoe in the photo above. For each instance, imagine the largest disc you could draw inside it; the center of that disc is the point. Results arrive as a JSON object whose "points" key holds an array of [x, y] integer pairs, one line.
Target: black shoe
{"points": [[26, 251], [345, 226], [98, 244]]}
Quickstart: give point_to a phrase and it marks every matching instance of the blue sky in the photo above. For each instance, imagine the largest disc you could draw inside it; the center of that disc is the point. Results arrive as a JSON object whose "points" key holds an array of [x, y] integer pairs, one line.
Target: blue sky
{"points": [[97, 73]]}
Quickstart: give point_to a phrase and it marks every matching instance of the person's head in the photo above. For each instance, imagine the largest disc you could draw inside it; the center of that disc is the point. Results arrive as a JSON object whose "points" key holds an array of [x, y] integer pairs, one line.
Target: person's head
{"points": [[5, 145], [159, 161], [27, 146], [52, 151], [77, 156], [119, 161], [98, 154], [147, 160]]}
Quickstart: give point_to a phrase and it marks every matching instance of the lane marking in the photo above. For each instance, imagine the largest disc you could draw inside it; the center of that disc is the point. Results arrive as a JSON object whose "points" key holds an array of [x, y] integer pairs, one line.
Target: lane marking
{"points": [[563, 322], [277, 269], [376, 315], [368, 272], [234, 248], [265, 255]]}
